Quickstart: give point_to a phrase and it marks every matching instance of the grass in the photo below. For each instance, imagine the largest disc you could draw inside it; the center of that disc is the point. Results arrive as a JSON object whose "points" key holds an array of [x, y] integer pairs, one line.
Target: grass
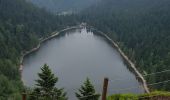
{"points": [[156, 95]]}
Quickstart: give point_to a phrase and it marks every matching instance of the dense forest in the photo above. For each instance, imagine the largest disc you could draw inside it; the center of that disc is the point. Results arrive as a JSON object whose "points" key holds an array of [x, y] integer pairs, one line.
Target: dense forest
{"points": [[57, 6], [142, 30], [140, 27], [21, 25]]}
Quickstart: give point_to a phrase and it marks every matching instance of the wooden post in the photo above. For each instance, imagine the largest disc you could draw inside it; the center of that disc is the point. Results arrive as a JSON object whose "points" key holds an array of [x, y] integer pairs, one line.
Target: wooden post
{"points": [[24, 96], [105, 85]]}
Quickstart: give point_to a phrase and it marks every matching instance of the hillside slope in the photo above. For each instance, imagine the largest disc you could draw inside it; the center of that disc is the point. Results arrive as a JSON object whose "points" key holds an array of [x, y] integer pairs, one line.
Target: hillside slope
{"points": [[21, 25], [142, 30]]}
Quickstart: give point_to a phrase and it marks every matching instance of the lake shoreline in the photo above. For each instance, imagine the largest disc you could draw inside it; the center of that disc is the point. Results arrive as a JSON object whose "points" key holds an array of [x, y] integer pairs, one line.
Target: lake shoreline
{"points": [[125, 57], [39, 45], [132, 65]]}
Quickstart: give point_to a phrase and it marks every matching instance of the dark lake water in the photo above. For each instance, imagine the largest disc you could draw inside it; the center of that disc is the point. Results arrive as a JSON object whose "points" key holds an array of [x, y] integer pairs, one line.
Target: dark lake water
{"points": [[77, 54]]}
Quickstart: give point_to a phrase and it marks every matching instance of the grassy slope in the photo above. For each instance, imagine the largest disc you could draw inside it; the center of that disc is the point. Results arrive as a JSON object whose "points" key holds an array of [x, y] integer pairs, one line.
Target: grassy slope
{"points": [[157, 95]]}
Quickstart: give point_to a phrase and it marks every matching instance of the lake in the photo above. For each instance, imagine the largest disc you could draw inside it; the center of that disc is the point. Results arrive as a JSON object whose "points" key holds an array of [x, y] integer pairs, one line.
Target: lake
{"points": [[77, 54]]}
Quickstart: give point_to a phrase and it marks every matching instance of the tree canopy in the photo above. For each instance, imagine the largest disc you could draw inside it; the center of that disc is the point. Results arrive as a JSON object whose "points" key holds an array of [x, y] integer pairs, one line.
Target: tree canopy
{"points": [[87, 91], [45, 86]]}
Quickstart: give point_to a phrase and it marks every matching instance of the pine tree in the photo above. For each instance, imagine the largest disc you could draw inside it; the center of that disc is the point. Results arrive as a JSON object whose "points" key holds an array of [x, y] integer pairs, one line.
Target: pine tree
{"points": [[46, 89], [87, 92]]}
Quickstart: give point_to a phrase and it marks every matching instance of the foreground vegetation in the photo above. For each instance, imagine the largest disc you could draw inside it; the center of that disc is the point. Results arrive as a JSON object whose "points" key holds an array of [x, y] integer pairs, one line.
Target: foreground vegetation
{"points": [[45, 88], [157, 95]]}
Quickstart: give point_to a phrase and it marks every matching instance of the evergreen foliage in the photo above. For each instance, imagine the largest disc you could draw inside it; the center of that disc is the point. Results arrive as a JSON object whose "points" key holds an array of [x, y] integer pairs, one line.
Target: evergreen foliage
{"points": [[45, 87], [87, 92]]}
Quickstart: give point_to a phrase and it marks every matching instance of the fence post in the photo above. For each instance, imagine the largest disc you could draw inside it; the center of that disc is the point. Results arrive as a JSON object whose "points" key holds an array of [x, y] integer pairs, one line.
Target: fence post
{"points": [[24, 96], [105, 85]]}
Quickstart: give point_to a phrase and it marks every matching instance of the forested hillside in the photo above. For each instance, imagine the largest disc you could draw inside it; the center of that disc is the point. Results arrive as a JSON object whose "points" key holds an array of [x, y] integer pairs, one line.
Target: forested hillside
{"points": [[64, 5], [140, 27], [142, 30], [21, 25]]}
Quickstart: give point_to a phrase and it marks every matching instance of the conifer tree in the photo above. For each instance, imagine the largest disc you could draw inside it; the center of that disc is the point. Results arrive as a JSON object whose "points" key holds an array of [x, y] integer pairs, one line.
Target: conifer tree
{"points": [[87, 91], [46, 89]]}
